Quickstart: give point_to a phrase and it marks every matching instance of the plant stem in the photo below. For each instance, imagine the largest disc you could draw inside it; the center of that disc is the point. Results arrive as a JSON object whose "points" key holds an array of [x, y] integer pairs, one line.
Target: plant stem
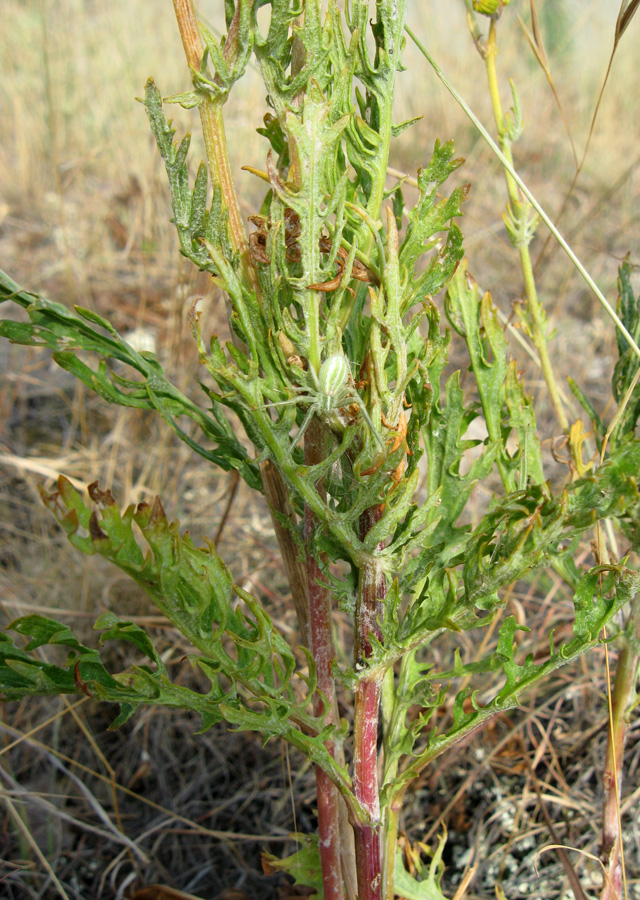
{"points": [[385, 107], [391, 840], [534, 308], [494, 91], [371, 591], [323, 651], [539, 338], [365, 768], [394, 725], [278, 498], [215, 142], [624, 695]]}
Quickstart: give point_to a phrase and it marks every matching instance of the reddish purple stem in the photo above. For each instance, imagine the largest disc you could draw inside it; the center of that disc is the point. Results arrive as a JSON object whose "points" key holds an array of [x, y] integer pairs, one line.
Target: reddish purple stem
{"points": [[371, 593], [365, 779], [323, 651]]}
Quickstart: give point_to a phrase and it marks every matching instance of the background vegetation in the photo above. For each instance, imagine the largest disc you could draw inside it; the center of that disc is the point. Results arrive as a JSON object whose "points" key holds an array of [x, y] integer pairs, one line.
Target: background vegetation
{"points": [[84, 213]]}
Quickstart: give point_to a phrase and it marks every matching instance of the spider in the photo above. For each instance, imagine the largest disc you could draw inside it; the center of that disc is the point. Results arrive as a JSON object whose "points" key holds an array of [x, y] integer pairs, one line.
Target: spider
{"points": [[332, 391]]}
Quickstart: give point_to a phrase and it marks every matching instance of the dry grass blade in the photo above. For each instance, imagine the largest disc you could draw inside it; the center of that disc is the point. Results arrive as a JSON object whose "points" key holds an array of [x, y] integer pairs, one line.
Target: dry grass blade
{"points": [[26, 608], [111, 835], [537, 35], [537, 46], [196, 827], [162, 892], [93, 802], [628, 9], [576, 850], [160, 826], [233, 490], [467, 878], [98, 752], [13, 812], [619, 413], [563, 856], [617, 781], [40, 726], [48, 468]]}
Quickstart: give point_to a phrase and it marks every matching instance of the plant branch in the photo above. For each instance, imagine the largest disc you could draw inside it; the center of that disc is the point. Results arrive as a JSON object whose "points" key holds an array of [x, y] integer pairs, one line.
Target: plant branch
{"points": [[215, 141], [519, 211], [622, 701], [277, 495]]}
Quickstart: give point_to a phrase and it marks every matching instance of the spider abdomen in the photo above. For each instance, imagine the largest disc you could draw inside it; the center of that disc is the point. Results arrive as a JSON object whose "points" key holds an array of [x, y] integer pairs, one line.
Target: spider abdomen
{"points": [[333, 376]]}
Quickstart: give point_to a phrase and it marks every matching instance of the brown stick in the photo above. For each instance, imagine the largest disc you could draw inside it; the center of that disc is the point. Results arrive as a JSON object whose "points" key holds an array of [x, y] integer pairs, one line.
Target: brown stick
{"points": [[233, 490]]}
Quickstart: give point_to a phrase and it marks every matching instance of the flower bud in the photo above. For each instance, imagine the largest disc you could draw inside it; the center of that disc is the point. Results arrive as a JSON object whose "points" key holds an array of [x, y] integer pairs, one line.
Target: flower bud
{"points": [[286, 345], [489, 7]]}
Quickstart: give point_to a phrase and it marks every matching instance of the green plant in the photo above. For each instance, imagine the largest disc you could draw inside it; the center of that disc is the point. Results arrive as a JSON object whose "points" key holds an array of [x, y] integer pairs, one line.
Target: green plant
{"points": [[338, 345]]}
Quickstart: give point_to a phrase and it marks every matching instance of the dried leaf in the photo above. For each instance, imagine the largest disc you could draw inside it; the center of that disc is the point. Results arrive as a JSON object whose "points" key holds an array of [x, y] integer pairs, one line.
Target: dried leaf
{"points": [[162, 892]]}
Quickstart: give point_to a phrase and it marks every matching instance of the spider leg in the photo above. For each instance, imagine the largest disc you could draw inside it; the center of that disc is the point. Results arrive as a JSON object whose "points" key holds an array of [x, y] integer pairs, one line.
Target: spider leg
{"points": [[281, 418], [367, 418], [305, 424], [279, 403]]}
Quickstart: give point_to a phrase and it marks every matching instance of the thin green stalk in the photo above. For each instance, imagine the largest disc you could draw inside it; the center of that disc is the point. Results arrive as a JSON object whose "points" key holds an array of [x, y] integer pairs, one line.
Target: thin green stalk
{"points": [[392, 821], [393, 716], [539, 338], [534, 308], [490, 56]]}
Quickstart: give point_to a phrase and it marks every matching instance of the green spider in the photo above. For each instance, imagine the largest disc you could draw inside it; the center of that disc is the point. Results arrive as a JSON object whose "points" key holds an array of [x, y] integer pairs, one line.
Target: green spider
{"points": [[332, 391]]}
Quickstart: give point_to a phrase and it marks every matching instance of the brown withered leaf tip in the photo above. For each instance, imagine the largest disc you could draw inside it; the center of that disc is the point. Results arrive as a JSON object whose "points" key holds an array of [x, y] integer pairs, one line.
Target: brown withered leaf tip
{"points": [[102, 498], [157, 512], [97, 534], [80, 684], [292, 231]]}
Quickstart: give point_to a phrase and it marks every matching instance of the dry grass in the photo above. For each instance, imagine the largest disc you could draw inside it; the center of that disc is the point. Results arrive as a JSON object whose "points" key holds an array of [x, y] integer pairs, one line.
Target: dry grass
{"points": [[84, 218]]}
